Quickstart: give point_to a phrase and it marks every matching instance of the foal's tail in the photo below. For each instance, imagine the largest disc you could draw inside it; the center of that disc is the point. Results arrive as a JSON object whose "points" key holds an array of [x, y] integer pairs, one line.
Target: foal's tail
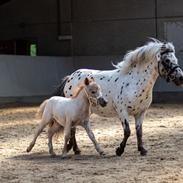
{"points": [[41, 108]]}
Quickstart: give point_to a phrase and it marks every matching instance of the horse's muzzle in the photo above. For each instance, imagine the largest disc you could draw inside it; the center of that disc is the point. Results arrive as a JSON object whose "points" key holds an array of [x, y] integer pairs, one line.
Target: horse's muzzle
{"points": [[102, 101]]}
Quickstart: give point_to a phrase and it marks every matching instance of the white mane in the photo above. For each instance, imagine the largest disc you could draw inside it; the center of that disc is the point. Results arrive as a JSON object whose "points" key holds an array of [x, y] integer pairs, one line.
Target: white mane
{"points": [[143, 53]]}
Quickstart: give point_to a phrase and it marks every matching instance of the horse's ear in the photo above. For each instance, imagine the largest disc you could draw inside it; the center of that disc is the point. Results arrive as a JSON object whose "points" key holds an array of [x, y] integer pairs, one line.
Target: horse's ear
{"points": [[86, 81]]}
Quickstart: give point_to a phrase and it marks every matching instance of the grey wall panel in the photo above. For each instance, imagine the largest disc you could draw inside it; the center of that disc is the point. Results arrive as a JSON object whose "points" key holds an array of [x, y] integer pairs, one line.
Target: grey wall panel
{"points": [[111, 38], [107, 9], [171, 29], [28, 11], [32, 76], [169, 8]]}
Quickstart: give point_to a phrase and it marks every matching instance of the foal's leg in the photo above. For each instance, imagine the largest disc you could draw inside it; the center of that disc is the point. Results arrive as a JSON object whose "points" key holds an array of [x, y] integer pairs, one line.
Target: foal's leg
{"points": [[67, 135], [73, 143], [87, 127], [39, 129], [124, 120], [138, 124], [51, 131]]}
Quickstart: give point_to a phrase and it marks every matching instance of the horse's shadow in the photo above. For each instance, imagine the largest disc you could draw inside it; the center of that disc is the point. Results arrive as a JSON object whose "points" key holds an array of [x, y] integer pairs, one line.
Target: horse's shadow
{"points": [[45, 158]]}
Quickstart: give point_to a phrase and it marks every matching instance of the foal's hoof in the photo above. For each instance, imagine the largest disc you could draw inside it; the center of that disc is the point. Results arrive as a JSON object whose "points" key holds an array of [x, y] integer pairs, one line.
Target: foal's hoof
{"points": [[119, 151], [102, 153], [28, 149]]}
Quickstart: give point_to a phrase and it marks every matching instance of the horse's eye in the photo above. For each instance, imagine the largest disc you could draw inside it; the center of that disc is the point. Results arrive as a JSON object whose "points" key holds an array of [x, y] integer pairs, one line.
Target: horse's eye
{"points": [[167, 60], [93, 92]]}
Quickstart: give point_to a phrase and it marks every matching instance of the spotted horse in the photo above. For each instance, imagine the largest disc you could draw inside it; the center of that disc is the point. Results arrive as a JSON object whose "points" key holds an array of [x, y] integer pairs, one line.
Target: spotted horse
{"points": [[128, 88]]}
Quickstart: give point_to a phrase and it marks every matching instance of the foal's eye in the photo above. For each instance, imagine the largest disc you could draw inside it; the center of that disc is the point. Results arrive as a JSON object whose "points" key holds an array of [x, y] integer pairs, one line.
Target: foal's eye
{"points": [[93, 92]]}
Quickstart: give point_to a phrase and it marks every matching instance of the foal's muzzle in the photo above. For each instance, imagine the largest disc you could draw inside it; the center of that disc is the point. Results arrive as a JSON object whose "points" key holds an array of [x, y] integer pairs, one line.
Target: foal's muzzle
{"points": [[102, 101]]}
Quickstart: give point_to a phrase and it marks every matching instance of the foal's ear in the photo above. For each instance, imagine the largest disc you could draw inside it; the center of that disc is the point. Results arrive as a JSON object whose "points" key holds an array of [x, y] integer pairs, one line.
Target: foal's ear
{"points": [[86, 81]]}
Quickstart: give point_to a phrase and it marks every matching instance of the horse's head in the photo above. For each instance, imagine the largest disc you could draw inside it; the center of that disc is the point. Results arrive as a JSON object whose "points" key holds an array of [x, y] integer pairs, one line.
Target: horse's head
{"points": [[94, 91], [168, 66]]}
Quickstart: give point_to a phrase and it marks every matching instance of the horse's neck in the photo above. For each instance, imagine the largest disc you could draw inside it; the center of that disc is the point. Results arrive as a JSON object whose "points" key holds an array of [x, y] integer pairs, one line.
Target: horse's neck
{"points": [[147, 73]]}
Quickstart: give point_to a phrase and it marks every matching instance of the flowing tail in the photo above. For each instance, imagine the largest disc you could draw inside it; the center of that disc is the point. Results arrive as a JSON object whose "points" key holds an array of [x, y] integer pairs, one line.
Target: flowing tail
{"points": [[59, 91], [41, 108]]}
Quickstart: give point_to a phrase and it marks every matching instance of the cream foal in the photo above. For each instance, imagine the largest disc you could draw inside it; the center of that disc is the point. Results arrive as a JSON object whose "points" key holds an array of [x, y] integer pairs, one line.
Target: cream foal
{"points": [[69, 112]]}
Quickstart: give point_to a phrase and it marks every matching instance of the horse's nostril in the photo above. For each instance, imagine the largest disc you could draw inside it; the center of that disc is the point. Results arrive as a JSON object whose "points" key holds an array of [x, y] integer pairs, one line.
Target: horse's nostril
{"points": [[181, 78]]}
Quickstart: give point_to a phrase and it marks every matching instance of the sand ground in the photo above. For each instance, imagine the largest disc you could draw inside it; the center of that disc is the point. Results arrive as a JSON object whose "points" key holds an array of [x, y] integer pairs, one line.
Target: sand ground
{"points": [[163, 138]]}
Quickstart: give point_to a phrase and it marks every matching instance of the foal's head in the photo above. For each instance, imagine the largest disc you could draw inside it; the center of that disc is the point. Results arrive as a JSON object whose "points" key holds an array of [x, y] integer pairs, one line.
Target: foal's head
{"points": [[93, 91]]}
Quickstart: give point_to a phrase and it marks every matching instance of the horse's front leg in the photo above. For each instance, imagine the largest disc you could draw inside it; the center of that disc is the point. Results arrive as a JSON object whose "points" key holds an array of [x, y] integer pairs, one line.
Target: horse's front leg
{"points": [[138, 124], [87, 127], [123, 115]]}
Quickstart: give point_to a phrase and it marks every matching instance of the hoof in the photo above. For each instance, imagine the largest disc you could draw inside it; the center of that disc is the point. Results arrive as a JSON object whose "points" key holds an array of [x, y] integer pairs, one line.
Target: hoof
{"points": [[143, 152], [53, 155], [119, 151], [28, 149], [77, 152], [102, 153]]}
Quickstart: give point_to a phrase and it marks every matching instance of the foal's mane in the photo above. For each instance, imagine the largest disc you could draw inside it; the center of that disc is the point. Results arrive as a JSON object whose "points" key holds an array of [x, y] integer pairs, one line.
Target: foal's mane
{"points": [[77, 91], [141, 54]]}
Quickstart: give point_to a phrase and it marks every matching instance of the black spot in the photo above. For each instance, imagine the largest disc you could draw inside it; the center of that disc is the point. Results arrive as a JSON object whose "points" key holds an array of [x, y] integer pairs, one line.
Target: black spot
{"points": [[145, 70], [143, 91], [109, 91], [118, 71], [66, 91], [108, 80], [106, 95], [127, 84], [134, 66], [129, 73], [70, 95], [121, 90], [79, 78], [141, 101], [71, 78], [120, 110], [144, 79], [116, 79], [70, 87], [68, 81], [129, 107]]}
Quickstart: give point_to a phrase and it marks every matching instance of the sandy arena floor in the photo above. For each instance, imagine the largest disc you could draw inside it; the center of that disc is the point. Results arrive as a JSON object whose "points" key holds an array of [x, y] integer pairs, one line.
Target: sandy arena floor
{"points": [[163, 137]]}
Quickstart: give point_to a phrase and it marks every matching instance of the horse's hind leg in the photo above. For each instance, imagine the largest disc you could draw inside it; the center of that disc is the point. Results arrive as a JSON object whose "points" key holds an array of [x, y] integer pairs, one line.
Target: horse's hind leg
{"points": [[138, 123], [92, 137]]}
